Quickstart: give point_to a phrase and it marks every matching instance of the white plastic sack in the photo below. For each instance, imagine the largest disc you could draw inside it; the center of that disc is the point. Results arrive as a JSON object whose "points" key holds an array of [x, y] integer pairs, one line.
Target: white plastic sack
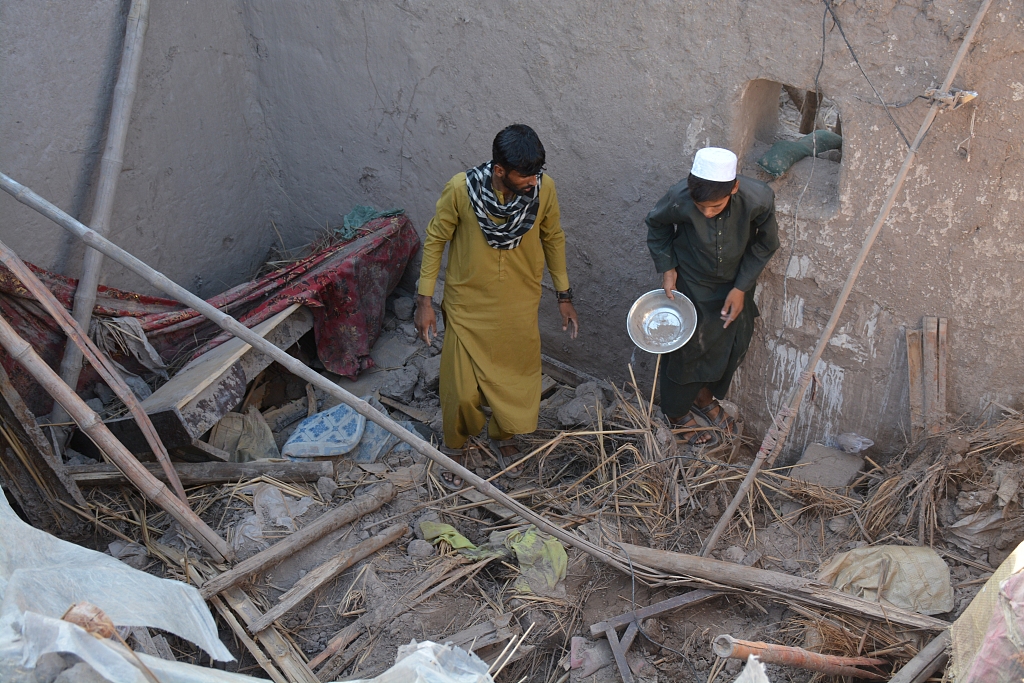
{"points": [[428, 662], [41, 576]]}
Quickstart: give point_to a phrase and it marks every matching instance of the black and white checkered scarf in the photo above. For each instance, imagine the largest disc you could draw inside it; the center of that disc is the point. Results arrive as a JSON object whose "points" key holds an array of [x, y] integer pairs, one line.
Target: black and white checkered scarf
{"points": [[519, 215]]}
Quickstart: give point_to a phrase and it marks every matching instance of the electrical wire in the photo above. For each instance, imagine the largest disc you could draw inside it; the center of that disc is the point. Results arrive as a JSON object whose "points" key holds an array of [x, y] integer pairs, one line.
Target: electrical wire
{"points": [[835, 19]]}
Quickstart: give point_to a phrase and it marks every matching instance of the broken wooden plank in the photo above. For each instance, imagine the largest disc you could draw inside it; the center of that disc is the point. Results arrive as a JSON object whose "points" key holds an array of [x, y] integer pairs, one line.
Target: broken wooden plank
{"points": [[415, 413], [915, 368], [323, 525], [196, 398], [203, 473], [152, 646], [930, 374], [326, 572], [546, 384], [940, 392], [489, 632], [258, 654], [212, 451], [502, 512], [930, 659], [796, 588], [280, 650], [566, 374]]}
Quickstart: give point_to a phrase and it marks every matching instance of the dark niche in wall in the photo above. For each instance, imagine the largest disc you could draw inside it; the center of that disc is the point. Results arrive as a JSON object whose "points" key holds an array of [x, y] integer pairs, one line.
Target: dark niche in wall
{"points": [[792, 139]]}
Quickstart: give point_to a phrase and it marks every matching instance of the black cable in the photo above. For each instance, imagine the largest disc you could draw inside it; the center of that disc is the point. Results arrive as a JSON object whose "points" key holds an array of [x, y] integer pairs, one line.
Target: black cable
{"points": [[835, 18]]}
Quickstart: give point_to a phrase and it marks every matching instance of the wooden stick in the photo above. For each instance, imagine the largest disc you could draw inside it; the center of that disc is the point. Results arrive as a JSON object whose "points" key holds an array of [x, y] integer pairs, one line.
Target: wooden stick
{"points": [[104, 367], [733, 648], [280, 650], [325, 572], [293, 365], [323, 525], [940, 402], [204, 473], [928, 661], [250, 644], [89, 422], [774, 439], [110, 171], [796, 588]]}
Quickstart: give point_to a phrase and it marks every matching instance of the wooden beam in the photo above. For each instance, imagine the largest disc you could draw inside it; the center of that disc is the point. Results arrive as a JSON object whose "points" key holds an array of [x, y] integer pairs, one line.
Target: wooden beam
{"points": [[326, 572], [323, 525], [915, 369], [203, 473]]}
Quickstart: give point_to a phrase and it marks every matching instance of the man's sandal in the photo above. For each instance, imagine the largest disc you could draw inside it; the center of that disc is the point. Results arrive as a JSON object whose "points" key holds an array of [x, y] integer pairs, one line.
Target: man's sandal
{"points": [[719, 418], [449, 479], [699, 429], [504, 461]]}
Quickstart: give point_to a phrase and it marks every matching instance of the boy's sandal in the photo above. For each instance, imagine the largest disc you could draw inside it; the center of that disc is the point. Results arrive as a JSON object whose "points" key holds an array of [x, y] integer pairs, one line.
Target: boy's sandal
{"points": [[504, 461], [719, 418], [449, 479], [698, 429]]}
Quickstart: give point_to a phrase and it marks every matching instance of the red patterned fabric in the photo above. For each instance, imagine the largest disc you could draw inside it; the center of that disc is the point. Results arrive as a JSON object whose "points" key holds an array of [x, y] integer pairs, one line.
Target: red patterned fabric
{"points": [[344, 285]]}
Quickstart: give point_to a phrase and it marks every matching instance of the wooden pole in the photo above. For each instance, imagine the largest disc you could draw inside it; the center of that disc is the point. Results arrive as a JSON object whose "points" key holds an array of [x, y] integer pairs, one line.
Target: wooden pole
{"points": [[294, 366], [104, 367], [206, 473], [110, 171], [776, 435], [929, 660], [796, 588], [90, 423]]}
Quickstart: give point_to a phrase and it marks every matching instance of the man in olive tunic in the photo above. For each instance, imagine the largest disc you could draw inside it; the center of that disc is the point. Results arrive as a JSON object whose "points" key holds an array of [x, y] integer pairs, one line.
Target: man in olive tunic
{"points": [[501, 223], [711, 236]]}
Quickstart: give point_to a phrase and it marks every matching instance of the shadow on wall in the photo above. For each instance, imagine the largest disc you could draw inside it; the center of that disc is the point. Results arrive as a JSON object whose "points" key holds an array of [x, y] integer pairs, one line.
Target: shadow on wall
{"points": [[779, 127]]}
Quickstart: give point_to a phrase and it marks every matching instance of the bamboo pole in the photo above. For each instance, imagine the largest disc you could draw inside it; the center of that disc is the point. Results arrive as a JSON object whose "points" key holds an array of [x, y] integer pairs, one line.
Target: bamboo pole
{"points": [[103, 366], [294, 366], [90, 423], [776, 435], [110, 171]]}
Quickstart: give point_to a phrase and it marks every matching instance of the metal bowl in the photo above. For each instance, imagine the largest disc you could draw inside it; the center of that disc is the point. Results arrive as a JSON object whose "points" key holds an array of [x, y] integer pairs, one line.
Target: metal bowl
{"points": [[658, 324]]}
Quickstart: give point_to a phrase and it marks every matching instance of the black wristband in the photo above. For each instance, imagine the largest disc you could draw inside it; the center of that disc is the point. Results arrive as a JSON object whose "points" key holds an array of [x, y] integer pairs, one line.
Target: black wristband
{"points": [[565, 296]]}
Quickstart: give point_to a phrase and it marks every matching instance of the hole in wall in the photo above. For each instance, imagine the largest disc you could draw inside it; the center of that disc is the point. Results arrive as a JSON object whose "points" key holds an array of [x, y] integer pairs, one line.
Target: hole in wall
{"points": [[775, 120]]}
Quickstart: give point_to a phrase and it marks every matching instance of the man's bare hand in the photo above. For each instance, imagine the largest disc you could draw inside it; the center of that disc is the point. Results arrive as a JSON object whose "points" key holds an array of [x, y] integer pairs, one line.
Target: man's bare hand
{"points": [[569, 317], [425, 318], [668, 281], [733, 306]]}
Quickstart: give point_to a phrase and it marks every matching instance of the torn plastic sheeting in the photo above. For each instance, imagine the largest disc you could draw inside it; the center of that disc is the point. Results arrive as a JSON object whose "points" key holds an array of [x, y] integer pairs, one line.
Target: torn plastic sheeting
{"points": [[911, 577], [428, 662], [753, 672], [45, 575]]}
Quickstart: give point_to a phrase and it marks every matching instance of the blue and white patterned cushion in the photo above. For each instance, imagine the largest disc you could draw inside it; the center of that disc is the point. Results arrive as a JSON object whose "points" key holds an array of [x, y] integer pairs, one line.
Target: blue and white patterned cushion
{"points": [[335, 431]]}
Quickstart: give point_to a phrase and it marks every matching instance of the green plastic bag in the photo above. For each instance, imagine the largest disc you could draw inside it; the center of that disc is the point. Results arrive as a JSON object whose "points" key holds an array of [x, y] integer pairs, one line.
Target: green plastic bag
{"points": [[784, 153]]}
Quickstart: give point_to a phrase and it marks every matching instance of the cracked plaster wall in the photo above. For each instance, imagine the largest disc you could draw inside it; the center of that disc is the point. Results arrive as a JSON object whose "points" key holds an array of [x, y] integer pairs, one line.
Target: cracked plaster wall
{"points": [[315, 106]]}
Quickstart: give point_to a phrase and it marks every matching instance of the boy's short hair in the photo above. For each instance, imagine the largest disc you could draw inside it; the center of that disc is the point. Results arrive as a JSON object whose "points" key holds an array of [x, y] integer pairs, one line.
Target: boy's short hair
{"points": [[702, 190], [517, 148]]}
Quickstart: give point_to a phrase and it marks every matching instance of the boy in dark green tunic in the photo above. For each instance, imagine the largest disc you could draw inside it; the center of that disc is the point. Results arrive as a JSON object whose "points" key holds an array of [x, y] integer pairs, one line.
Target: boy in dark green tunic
{"points": [[711, 236]]}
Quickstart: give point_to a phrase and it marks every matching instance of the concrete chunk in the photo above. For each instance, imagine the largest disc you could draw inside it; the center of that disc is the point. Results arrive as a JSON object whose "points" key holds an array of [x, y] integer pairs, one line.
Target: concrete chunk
{"points": [[827, 467]]}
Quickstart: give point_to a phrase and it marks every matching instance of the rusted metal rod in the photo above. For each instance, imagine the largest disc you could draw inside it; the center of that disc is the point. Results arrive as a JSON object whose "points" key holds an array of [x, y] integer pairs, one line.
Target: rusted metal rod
{"points": [[89, 422], [777, 433], [103, 366], [733, 648]]}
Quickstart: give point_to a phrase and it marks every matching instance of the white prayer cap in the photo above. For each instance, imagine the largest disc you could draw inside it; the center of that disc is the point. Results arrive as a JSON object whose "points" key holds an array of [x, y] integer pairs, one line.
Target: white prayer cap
{"points": [[714, 163]]}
